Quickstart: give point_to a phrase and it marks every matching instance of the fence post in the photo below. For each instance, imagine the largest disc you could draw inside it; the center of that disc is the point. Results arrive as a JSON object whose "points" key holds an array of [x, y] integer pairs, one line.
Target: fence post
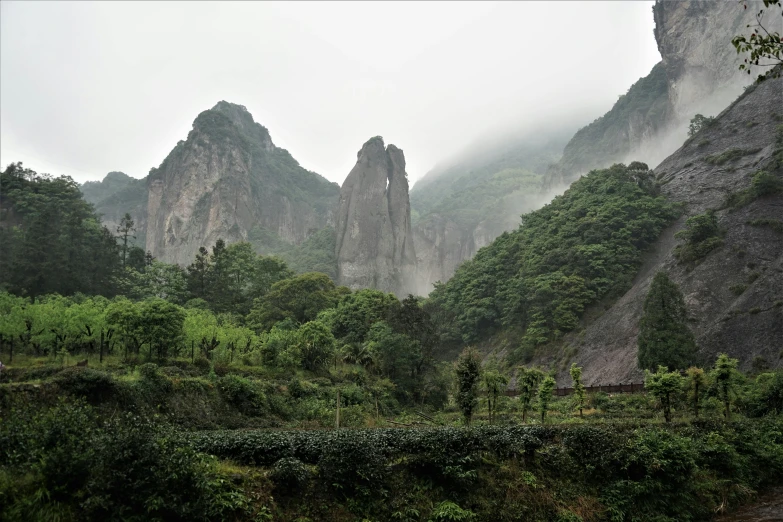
{"points": [[337, 420]]}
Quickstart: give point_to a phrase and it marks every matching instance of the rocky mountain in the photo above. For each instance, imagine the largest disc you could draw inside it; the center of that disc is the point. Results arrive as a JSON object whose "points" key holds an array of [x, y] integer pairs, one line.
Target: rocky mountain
{"points": [[734, 294], [228, 180], [697, 75], [461, 206], [374, 240], [116, 195]]}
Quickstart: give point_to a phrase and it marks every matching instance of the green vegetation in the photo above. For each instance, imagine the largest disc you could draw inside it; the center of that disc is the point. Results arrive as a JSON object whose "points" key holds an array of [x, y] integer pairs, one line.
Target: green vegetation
{"points": [[762, 184], [51, 238], [606, 139], [583, 247], [729, 155], [774, 224], [698, 123], [701, 234], [761, 45], [118, 194], [664, 337], [315, 254]]}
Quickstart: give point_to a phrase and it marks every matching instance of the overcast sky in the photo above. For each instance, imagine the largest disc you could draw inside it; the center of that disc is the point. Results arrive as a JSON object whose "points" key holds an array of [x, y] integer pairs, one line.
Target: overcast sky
{"points": [[87, 88]]}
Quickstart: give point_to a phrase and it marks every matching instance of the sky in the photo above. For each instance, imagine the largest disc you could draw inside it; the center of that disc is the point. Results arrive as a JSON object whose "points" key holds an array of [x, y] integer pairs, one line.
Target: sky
{"points": [[88, 88]]}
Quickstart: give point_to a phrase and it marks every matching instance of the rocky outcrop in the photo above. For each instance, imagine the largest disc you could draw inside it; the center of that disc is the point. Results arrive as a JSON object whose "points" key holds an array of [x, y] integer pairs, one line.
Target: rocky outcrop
{"points": [[698, 74], [734, 295], [224, 180], [374, 241]]}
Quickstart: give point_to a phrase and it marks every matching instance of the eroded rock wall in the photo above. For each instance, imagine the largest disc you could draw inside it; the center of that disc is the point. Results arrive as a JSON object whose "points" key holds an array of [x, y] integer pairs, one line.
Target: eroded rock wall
{"points": [[374, 240]]}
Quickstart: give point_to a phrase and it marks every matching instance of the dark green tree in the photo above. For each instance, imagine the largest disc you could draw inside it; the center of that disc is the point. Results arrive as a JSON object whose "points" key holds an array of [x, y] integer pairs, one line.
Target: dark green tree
{"points": [[664, 337], [125, 230], [468, 372], [528, 380], [579, 388], [698, 123], [545, 395], [725, 376]]}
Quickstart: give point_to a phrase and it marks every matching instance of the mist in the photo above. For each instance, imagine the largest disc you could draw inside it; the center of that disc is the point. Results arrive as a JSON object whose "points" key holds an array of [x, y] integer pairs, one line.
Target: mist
{"points": [[88, 88]]}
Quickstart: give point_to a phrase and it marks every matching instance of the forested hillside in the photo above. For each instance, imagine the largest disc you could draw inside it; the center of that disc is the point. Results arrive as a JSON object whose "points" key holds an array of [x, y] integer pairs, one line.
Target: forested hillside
{"points": [[586, 245]]}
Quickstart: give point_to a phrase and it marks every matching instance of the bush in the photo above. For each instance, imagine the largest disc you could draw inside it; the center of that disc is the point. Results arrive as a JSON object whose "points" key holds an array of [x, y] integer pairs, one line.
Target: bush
{"points": [[290, 474], [241, 393], [94, 385]]}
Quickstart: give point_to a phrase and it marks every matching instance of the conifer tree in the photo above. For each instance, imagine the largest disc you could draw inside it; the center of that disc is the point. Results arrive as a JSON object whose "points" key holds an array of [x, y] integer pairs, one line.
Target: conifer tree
{"points": [[468, 370], [664, 337], [579, 388]]}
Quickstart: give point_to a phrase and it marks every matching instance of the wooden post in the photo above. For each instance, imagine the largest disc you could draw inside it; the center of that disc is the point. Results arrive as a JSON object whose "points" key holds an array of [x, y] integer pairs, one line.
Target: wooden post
{"points": [[101, 354], [337, 419]]}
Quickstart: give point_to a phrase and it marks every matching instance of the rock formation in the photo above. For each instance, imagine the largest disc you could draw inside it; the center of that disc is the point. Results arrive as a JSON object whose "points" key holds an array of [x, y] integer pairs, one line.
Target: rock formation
{"points": [[374, 240], [698, 74], [735, 294], [226, 179]]}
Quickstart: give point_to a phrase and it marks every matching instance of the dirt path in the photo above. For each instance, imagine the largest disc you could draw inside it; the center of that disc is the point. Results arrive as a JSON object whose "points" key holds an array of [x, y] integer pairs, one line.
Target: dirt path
{"points": [[767, 508]]}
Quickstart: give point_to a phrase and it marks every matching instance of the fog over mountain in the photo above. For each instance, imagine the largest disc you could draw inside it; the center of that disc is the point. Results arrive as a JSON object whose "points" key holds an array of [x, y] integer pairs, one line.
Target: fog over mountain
{"points": [[429, 77]]}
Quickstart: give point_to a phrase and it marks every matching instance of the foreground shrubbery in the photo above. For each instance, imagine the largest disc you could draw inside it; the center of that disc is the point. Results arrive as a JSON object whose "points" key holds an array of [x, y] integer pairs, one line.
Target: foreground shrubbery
{"points": [[66, 463]]}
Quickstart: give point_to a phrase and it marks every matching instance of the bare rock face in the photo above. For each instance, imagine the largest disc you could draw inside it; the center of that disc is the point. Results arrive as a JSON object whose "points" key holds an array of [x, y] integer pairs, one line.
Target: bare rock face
{"points": [[225, 179], [374, 239], [735, 294], [698, 74]]}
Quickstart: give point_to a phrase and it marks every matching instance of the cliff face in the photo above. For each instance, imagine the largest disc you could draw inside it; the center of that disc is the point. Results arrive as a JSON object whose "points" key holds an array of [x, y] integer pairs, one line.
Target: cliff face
{"points": [[224, 180], [735, 294], [698, 74], [374, 245]]}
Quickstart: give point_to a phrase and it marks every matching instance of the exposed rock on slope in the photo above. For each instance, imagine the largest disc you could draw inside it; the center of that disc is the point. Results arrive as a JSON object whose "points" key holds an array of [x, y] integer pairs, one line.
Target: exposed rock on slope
{"points": [[719, 161], [374, 240], [224, 180], [698, 74]]}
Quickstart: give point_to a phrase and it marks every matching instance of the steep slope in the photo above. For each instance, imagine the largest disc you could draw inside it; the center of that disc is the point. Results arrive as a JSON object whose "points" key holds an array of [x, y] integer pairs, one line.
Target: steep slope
{"points": [[374, 241], [116, 195], [697, 74], [227, 179], [714, 170], [462, 206]]}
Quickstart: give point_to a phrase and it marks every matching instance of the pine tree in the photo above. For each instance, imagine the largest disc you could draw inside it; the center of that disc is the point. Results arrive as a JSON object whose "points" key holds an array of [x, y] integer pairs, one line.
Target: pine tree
{"points": [[664, 337]]}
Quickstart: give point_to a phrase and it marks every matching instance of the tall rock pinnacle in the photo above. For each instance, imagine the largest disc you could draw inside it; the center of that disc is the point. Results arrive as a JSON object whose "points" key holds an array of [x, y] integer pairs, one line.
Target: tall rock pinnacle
{"points": [[374, 239]]}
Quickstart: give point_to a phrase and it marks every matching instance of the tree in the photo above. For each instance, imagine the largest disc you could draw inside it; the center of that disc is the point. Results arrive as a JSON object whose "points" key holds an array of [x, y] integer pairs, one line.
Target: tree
{"points": [[160, 323], [762, 45], [468, 372], [696, 383], [698, 123], [545, 395], [664, 386], [494, 383], [198, 272], [125, 230], [724, 375], [315, 343], [300, 298], [528, 380], [579, 389], [664, 337]]}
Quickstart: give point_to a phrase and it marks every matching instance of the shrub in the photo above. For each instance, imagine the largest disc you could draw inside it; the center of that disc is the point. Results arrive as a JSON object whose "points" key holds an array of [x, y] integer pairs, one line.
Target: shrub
{"points": [[94, 385], [290, 474], [241, 393]]}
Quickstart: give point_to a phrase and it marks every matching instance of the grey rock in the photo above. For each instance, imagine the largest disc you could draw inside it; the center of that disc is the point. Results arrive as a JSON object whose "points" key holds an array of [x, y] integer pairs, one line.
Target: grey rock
{"points": [[744, 326], [374, 245]]}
